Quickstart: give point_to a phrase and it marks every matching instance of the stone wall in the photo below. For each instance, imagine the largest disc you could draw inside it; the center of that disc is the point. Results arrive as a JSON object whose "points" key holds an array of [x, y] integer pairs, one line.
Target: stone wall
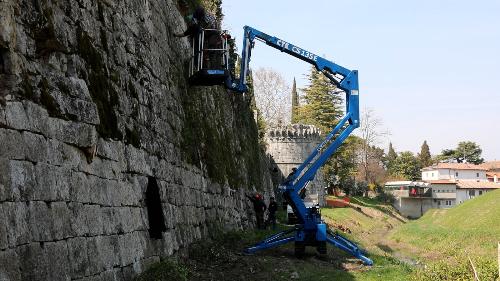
{"points": [[289, 146], [94, 105]]}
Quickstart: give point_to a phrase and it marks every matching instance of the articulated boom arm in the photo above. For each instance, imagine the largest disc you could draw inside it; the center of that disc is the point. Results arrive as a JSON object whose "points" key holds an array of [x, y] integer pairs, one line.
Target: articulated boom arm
{"points": [[311, 231], [343, 78]]}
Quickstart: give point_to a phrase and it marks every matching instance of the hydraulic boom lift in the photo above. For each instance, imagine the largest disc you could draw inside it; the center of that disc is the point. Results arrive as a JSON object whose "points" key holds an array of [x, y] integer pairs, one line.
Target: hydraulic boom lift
{"points": [[311, 230]]}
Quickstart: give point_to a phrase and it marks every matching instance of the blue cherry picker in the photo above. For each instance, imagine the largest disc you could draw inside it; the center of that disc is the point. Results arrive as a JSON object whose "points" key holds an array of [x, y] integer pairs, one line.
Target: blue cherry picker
{"points": [[311, 229]]}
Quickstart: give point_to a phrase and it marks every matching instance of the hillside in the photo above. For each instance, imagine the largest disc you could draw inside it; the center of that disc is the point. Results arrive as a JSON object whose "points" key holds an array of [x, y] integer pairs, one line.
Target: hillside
{"points": [[473, 226]]}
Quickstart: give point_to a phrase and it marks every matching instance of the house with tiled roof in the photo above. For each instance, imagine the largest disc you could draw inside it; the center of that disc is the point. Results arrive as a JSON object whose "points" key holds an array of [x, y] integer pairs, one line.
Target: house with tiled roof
{"points": [[493, 171], [468, 180], [454, 172], [443, 185]]}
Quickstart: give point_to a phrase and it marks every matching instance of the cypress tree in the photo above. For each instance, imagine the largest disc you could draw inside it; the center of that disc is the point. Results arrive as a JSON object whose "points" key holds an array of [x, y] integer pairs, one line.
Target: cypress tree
{"points": [[295, 103], [390, 157], [424, 157]]}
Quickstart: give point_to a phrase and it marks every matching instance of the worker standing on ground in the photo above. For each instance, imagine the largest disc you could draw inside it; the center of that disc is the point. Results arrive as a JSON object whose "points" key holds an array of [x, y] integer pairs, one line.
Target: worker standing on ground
{"points": [[259, 207], [273, 207]]}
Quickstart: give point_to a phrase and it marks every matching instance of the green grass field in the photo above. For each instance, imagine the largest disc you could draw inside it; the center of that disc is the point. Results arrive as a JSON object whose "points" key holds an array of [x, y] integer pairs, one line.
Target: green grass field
{"points": [[442, 240], [473, 226], [445, 239]]}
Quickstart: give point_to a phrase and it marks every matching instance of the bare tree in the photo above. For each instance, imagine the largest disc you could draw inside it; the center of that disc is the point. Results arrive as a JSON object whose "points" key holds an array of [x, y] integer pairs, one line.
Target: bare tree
{"points": [[272, 96], [371, 131]]}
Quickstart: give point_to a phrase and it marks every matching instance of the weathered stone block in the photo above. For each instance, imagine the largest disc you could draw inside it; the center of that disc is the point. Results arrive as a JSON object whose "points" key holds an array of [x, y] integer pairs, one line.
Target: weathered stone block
{"points": [[13, 146], [17, 223], [108, 220], [52, 183], [136, 161], [78, 219], [34, 264], [108, 251], [78, 257], [169, 243], [93, 219], [123, 216], [4, 239], [61, 220], [102, 168], [40, 221], [9, 269], [15, 116], [78, 134], [135, 221], [112, 150], [37, 117], [82, 110], [62, 154], [79, 189], [58, 263], [34, 146], [130, 248], [3, 121]]}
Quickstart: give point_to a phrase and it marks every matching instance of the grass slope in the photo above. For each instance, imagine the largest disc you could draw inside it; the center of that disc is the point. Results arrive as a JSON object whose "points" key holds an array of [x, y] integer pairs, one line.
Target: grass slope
{"points": [[473, 226]]}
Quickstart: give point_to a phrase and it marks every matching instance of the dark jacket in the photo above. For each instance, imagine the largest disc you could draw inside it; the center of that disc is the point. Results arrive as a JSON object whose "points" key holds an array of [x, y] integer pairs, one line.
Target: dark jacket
{"points": [[273, 207], [258, 204]]}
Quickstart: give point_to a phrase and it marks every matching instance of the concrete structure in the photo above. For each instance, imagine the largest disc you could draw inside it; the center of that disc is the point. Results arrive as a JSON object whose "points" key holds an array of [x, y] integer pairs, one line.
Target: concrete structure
{"points": [[412, 199], [95, 114], [289, 146]]}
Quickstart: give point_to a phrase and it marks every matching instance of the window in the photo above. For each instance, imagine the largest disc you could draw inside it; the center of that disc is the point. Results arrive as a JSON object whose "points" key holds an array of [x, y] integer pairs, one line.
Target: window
{"points": [[477, 175], [456, 174], [472, 193], [432, 175], [439, 203], [480, 192]]}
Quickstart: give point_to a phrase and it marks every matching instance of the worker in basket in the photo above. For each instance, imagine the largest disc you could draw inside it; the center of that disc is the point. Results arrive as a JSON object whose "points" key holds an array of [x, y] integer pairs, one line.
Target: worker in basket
{"points": [[197, 22]]}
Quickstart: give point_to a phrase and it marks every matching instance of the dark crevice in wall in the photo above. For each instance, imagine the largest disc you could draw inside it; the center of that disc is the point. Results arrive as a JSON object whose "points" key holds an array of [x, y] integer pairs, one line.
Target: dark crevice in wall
{"points": [[155, 210]]}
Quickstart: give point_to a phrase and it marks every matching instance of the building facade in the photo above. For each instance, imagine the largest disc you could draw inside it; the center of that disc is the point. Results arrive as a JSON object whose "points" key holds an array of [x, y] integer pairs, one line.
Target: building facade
{"points": [[443, 186]]}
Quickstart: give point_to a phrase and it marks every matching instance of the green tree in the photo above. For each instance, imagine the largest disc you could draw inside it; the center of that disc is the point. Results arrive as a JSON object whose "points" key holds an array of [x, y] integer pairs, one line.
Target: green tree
{"points": [[424, 157], [323, 102], [322, 108], [344, 165], [466, 151], [390, 157], [406, 166], [295, 103]]}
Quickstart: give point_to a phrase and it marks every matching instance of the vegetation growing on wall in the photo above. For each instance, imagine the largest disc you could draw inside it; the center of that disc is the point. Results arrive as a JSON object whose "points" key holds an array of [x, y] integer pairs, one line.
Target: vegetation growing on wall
{"points": [[221, 136]]}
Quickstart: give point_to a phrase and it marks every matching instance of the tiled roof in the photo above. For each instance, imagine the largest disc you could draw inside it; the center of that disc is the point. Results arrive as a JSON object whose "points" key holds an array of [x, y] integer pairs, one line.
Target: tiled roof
{"points": [[475, 184], [455, 166], [491, 165]]}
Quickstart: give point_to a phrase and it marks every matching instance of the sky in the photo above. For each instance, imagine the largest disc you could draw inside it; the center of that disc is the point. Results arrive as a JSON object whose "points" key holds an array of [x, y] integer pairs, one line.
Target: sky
{"points": [[430, 69]]}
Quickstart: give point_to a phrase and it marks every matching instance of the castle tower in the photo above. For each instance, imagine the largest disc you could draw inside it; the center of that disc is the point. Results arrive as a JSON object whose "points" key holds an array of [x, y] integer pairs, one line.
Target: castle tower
{"points": [[289, 146]]}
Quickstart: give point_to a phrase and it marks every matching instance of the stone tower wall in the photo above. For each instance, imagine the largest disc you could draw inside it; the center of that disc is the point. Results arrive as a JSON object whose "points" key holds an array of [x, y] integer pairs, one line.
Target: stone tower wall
{"points": [[289, 146], [94, 106]]}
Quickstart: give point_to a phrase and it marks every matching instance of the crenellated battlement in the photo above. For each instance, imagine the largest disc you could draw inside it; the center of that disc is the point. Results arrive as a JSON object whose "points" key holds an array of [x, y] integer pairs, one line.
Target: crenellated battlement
{"points": [[294, 131]]}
